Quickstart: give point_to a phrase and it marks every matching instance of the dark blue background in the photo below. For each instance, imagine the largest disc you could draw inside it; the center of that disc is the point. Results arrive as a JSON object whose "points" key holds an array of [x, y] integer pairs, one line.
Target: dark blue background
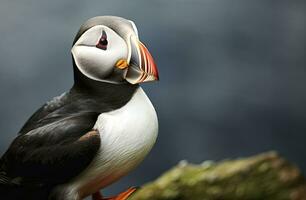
{"points": [[233, 73]]}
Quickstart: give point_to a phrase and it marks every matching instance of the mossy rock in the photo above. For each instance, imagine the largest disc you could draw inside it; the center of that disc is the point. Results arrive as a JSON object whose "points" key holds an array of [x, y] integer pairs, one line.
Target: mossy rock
{"points": [[263, 177]]}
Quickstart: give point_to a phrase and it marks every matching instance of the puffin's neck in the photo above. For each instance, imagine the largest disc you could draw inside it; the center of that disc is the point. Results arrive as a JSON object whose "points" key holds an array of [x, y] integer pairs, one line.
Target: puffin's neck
{"points": [[108, 93]]}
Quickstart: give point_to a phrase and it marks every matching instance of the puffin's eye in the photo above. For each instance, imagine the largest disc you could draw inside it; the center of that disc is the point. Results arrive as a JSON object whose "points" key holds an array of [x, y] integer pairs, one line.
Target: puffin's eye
{"points": [[102, 44]]}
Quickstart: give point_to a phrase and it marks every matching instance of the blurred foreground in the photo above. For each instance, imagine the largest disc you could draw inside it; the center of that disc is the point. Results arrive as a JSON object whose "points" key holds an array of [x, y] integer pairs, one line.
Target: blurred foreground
{"points": [[265, 176]]}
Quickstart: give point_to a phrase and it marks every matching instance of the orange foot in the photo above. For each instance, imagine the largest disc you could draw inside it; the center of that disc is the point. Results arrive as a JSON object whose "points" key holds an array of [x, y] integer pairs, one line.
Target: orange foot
{"points": [[122, 196]]}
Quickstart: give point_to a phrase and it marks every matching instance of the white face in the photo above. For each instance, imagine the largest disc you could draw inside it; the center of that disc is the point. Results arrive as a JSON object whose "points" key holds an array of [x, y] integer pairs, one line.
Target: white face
{"points": [[97, 51]]}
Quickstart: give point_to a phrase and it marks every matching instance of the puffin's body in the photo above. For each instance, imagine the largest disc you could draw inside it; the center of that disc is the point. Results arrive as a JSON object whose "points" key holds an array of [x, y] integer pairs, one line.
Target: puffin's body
{"points": [[123, 144], [89, 137]]}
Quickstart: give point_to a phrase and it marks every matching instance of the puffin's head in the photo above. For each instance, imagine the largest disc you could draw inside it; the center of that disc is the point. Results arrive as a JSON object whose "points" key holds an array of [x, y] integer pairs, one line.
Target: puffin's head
{"points": [[107, 49]]}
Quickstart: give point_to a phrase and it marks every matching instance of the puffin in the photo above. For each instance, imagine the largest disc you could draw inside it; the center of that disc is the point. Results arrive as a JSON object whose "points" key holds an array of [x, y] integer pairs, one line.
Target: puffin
{"points": [[91, 136]]}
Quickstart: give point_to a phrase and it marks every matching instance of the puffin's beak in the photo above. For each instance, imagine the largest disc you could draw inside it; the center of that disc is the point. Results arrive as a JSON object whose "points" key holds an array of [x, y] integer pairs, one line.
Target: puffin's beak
{"points": [[142, 67]]}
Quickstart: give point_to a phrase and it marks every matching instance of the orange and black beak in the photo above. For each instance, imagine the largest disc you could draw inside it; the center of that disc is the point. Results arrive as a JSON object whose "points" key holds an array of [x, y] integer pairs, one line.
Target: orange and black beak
{"points": [[141, 66]]}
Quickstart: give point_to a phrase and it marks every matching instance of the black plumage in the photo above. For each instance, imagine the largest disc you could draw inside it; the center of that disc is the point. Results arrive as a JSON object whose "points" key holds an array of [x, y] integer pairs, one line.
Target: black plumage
{"points": [[48, 150]]}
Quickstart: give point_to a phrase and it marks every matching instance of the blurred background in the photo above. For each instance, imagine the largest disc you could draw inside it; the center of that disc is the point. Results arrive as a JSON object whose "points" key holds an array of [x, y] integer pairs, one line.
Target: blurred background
{"points": [[232, 73]]}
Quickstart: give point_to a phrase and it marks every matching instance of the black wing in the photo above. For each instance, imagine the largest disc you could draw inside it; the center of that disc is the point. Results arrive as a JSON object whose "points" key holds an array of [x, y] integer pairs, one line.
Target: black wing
{"points": [[47, 112], [52, 148]]}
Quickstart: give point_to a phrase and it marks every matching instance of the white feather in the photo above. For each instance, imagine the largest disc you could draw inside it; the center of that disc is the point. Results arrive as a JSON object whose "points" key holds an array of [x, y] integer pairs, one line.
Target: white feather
{"points": [[127, 136], [93, 62]]}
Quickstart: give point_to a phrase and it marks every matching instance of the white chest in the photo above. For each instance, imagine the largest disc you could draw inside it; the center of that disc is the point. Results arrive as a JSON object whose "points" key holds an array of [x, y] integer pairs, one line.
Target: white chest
{"points": [[127, 136]]}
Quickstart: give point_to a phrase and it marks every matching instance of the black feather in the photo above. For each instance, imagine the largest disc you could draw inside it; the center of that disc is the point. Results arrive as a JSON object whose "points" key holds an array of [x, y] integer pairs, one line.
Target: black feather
{"points": [[47, 151]]}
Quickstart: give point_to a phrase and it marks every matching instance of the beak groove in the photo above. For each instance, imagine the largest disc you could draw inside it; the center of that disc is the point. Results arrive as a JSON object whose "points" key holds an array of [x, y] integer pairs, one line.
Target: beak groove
{"points": [[142, 66]]}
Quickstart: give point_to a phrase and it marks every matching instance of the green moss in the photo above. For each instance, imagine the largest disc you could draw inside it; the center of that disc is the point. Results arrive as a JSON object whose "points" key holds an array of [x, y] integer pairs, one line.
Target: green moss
{"points": [[265, 176]]}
